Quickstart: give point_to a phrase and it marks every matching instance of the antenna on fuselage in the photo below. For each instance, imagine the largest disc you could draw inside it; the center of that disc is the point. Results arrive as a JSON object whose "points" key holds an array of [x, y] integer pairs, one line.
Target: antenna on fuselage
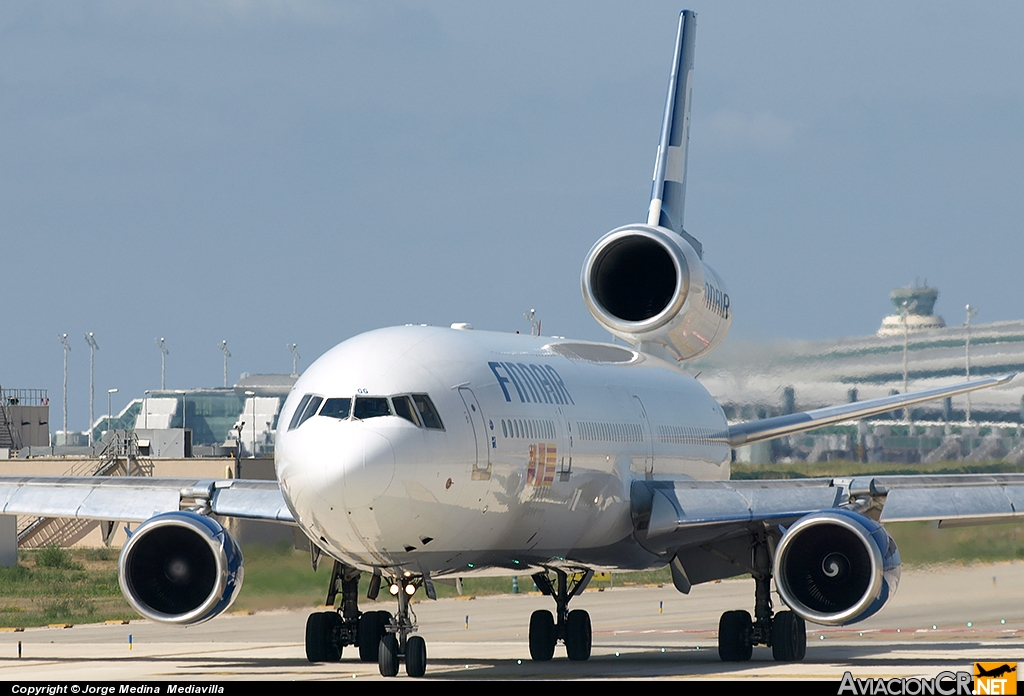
{"points": [[668, 192]]}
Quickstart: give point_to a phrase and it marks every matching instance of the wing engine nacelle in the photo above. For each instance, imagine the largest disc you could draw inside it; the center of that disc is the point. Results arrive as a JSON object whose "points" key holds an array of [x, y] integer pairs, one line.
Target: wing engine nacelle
{"points": [[180, 568], [648, 286], [836, 567]]}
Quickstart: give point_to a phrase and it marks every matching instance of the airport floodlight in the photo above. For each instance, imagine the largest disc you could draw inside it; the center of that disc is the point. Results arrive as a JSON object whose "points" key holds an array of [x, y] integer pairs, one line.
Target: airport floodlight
{"points": [[163, 361], [531, 316], [227, 354], [295, 358], [971, 312], [90, 338], [63, 338], [110, 392]]}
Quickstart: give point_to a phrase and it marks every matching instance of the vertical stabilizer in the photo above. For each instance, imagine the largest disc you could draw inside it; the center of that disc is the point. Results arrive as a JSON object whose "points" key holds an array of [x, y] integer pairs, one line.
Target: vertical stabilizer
{"points": [[669, 191]]}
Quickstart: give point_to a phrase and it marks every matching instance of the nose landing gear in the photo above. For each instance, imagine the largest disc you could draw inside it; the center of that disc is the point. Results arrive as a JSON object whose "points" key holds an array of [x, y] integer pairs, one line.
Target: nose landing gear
{"points": [[381, 637], [397, 641], [571, 627]]}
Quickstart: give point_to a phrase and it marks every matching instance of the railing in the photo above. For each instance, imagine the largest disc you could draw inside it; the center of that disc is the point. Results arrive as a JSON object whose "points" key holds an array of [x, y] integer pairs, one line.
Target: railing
{"points": [[10, 436], [24, 397]]}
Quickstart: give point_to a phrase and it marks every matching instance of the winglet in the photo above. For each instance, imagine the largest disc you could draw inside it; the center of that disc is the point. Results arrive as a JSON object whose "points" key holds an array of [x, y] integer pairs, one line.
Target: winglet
{"points": [[668, 193]]}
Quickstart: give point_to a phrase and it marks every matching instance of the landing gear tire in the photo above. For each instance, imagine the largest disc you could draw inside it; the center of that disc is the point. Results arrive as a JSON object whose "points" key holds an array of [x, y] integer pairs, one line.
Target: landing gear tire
{"points": [[415, 657], [542, 636], [321, 638], [387, 655], [578, 636], [734, 636], [372, 626], [789, 637]]}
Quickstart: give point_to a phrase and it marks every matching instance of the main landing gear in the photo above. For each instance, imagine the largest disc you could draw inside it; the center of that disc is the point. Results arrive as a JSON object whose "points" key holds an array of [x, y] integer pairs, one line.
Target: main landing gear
{"points": [[380, 637], [328, 632], [785, 632], [570, 627]]}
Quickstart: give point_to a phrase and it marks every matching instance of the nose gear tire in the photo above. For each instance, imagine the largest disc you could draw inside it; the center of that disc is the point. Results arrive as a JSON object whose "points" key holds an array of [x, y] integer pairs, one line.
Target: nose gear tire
{"points": [[542, 635]]}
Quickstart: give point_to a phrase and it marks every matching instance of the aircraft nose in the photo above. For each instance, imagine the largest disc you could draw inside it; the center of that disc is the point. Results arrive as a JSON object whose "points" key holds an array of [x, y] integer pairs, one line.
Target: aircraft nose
{"points": [[367, 468], [340, 463]]}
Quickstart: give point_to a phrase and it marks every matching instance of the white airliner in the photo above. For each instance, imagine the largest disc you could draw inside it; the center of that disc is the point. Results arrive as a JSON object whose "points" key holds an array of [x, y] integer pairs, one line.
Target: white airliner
{"points": [[420, 453]]}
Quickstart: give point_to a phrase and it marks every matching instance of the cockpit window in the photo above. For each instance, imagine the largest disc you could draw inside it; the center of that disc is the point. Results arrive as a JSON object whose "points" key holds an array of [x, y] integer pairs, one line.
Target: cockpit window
{"points": [[297, 415], [307, 407], [336, 408], [371, 407], [428, 414], [404, 408]]}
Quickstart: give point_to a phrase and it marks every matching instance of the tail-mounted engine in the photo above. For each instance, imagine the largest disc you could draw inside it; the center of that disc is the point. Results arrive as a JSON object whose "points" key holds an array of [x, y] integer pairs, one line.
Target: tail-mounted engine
{"points": [[649, 286], [836, 567], [181, 568]]}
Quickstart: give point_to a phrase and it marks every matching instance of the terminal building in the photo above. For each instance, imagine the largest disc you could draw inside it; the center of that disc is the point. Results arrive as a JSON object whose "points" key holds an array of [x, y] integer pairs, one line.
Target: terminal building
{"points": [[168, 423], [213, 422]]}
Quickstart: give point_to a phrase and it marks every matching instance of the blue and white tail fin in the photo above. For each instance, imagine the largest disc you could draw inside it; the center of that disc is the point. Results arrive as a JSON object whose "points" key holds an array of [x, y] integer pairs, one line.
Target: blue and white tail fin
{"points": [[668, 194]]}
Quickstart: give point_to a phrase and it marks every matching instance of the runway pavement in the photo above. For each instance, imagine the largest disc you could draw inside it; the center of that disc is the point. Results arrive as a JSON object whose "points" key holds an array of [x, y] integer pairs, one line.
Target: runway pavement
{"points": [[977, 613]]}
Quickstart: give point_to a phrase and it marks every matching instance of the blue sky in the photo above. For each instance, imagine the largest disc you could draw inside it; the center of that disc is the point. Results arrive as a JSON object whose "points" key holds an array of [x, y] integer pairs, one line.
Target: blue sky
{"points": [[270, 172]]}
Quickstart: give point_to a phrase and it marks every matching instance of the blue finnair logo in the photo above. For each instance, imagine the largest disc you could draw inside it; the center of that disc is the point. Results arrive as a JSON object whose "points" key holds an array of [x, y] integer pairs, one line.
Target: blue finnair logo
{"points": [[538, 384], [716, 300]]}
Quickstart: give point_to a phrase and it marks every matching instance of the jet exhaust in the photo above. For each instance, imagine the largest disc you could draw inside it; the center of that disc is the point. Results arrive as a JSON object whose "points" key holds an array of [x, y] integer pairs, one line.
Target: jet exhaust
{"points": [[649, 286]]}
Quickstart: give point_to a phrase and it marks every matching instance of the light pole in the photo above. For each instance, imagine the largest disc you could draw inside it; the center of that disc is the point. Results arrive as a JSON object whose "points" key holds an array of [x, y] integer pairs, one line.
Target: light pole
{"points": [[109, 393], [163, 361], [252, 396], [971, 311], [227, 354], [63, 338], [237, 429], [91, 340], [905, 309], [145, 405], [531, 317], [295, 358]]}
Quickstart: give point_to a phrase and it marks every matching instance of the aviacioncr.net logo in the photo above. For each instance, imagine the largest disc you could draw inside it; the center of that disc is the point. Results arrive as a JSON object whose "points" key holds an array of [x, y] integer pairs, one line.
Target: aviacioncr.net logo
{"points": [[942, 684]]}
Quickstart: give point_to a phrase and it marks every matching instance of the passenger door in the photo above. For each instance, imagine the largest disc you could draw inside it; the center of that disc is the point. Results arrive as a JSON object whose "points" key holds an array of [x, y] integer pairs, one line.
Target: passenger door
{"points": [[482, 463]]}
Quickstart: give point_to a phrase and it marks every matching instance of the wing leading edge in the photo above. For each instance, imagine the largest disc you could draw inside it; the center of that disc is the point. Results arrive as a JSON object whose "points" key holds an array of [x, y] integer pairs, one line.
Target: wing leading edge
{"points": [[780, 426], [136, 499]]}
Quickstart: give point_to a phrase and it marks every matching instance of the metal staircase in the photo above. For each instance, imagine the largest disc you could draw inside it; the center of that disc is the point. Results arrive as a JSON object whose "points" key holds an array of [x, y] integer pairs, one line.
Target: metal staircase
{"points": [[10, 435], [119, 458]]}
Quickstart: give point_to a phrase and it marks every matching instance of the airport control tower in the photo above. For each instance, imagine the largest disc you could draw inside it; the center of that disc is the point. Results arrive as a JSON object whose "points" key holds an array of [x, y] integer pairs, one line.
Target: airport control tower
{"points": [[917, 302]]}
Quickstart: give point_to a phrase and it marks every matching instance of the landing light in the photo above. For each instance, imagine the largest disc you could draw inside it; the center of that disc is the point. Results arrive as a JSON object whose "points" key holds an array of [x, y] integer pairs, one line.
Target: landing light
{"points": [[394, 589], [410, 589]]}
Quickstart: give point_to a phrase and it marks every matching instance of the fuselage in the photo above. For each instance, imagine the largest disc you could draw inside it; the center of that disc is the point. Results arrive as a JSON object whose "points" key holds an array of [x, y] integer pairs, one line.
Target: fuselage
{"points": [[455, 451]]}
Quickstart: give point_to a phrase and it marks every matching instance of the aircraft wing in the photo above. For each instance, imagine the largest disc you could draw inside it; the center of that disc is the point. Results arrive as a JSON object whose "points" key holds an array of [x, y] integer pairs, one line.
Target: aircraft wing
{"points": [[137, 498], [780, 426], [704, 527]]}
